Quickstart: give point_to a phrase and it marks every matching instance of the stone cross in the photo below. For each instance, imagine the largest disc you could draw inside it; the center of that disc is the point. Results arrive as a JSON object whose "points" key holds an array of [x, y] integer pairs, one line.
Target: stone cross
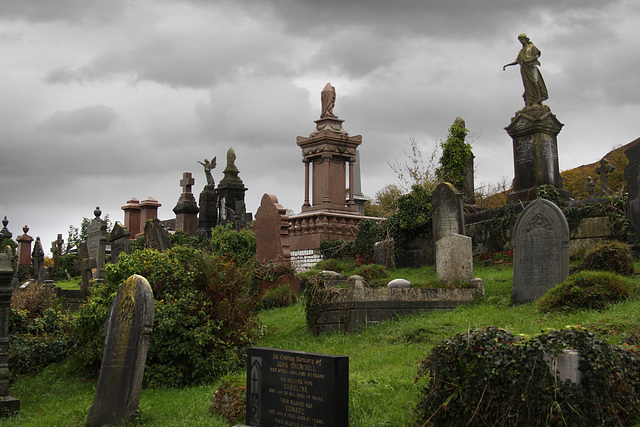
{"points": [[187, 182], [127, 333], [604, 169]]}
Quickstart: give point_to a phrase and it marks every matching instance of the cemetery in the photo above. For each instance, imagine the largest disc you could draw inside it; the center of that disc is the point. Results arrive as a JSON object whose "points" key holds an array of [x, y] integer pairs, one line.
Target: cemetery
{"points": [[453, 309]]}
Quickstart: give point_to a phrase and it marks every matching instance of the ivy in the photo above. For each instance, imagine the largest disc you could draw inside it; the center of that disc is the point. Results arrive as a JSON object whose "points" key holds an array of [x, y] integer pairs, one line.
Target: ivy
{"points": [[413, 218], [455, 153]]}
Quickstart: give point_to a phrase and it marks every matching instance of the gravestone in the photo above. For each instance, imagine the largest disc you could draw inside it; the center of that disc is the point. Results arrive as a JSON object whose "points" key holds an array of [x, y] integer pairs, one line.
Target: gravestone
{"points": [[540, 251], [384, 253], [86, 265], [186, 209], [127, 331], [447, 214], [156, 236], [271, 228], [56, 251], [294, 388], [8, 404], [604, 169], [97, 243], [37, 261], [454, 259], [120, 241]]}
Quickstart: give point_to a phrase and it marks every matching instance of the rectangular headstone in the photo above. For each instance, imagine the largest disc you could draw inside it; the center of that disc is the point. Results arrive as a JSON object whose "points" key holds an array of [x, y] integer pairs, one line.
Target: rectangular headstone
{"points": [[454, 259], [128, 330], [540, 251], [119, 240], [447, 213], [97, 243], [294, 388]]}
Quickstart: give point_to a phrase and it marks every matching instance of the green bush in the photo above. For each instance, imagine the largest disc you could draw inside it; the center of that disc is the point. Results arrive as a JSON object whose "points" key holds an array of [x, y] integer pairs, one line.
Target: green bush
{"points": [[614, 256], [589, 290], [369, 232], [180, 239], [204, 314], [413, 218], [372, 271], [282, 296], [237, 245], [490, 377]]}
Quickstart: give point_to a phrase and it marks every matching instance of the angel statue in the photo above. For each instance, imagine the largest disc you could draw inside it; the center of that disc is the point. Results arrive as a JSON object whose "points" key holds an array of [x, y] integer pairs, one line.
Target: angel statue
{"points": [[208, 165]]}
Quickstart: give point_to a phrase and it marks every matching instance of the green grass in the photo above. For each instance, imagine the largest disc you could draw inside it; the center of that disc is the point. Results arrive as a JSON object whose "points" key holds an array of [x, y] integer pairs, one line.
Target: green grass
{"points": [[383, 359], [72, 284]]}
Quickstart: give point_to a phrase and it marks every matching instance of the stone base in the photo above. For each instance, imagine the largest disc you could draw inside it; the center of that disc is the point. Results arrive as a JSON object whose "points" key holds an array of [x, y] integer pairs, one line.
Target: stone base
{"points": [[531, 193], [9, 406]]}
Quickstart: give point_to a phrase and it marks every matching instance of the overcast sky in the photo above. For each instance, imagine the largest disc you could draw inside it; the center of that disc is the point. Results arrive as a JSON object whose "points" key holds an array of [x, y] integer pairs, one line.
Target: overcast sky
{"points": [[107, 100]]}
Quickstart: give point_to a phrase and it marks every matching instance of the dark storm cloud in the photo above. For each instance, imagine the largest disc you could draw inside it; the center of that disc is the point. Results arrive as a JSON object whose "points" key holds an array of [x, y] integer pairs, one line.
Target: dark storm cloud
{"points": [[92, 118], [61, 10]]}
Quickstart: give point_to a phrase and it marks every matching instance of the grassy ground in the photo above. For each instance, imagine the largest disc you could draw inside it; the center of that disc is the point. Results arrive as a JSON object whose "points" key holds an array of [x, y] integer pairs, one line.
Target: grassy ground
{"points": [[382, 360]]}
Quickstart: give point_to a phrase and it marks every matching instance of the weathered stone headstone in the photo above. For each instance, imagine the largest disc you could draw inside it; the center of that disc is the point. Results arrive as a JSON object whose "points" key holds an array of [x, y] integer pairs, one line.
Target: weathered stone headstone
{"points": [[156, 236], [540, 251], [447, 213], [56, 251], [8, 404], [454, 259], [294, 388], [271, 228], [384, 253], [97, 242], [604, 169], [86, 265], [186, 209], [37, 261], [120, 241], [128, 330]]}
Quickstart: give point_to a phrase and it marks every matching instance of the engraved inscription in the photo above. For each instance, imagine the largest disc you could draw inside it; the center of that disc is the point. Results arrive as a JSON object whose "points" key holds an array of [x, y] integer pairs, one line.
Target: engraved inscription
{"points": [[525, 150]]}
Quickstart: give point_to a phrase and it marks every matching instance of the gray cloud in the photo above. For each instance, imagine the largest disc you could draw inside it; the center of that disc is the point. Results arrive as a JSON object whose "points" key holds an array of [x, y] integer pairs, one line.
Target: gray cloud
{"points": [[62, 10], [92, 118]]}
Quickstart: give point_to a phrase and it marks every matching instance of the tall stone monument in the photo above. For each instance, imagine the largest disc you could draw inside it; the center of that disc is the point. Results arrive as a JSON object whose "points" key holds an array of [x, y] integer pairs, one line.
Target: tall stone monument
{"points": [[208, 202], [37, 261], [132, 217], [230, 192], [186, 209], [8, 404], [534, 131], [97, 242], [24, 247], [329, 156], [540, 251]]}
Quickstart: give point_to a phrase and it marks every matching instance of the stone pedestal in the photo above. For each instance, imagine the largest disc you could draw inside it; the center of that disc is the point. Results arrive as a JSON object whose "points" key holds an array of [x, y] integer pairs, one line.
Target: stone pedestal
{"points": [[148, 210], [24, 247], [8, 404], [208, 211], [535, 152], [230, 191], [132, 217], [186, 209]]}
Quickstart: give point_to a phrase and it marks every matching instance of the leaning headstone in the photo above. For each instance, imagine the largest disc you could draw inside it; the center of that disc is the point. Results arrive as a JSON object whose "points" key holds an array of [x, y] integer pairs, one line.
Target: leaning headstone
{"points": [[540, 251], [8, 404], [120, 241], [294, 388], [127, 331], [447, 216], [454, 259], [156, 236], [384, 253], [97, 242]]}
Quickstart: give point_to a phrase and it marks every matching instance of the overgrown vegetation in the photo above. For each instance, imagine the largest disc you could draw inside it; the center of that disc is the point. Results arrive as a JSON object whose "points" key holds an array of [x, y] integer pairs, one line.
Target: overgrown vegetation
{"points": [[613, 256], [455, 154]]}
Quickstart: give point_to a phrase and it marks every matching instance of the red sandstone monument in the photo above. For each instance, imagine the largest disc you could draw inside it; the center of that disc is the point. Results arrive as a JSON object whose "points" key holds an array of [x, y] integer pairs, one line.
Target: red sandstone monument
{"points": [[329, 213]]}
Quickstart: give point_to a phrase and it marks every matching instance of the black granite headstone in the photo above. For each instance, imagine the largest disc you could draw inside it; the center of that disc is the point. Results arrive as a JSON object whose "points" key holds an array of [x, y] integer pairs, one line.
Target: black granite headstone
{"points": [[294, 388]]}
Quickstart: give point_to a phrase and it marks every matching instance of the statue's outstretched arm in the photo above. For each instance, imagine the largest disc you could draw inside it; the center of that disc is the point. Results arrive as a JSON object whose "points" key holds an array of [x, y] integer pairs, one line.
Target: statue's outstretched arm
{"points": [[509, 65]]}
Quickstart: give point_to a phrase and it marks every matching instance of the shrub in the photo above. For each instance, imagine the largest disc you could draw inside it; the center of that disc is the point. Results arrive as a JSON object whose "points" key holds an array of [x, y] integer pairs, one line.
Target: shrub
{"points": [[317, 298], [204, 314], [369, 232], [614, 256], [237, 245], [490, 377], [230, 400], [33, 300], [589, 290], [180, 239], [338, 249], [282, 296], [413, 218], [372, 271]]}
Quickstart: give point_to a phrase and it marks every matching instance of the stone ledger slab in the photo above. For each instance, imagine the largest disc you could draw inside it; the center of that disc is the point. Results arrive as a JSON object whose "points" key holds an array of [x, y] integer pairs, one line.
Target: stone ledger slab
{"points": [[294, 388]]}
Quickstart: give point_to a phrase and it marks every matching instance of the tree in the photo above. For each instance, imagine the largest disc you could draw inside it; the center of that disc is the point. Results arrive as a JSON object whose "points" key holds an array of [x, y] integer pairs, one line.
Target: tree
{"points": [[385, 202], [415, 170], [455, 153]]}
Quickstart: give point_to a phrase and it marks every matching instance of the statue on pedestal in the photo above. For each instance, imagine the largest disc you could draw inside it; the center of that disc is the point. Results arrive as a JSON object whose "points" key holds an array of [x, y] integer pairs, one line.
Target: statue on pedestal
{"points": [[208, 166], [535, 90]]}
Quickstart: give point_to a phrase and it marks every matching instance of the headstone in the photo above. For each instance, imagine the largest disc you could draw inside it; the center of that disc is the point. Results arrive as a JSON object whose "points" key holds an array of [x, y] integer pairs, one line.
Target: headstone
{"points": [[37, 261], [186, 209], [8, 404], [604, 169], [454, 259], [119, 240], [271, 228], [156, 236], [56, 251], [384, 253], [207, 210], [294, 388], [24, 247], [97, 242], [447, 214], [540, 251], [127, 331], [86, 265]]}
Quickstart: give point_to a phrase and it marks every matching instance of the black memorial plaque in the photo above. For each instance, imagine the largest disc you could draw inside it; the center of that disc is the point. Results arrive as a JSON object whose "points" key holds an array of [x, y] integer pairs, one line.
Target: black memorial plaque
{"points": [[296, 389]]}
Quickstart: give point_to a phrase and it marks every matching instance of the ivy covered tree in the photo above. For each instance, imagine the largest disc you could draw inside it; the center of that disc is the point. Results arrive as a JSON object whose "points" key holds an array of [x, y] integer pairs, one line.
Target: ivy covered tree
{"points": [[455, 153]]}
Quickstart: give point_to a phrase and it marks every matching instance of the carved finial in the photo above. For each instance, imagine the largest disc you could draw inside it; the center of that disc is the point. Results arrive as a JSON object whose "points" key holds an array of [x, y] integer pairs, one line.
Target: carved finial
{"points": [[97, 212], [5, 221], [25, 229]]}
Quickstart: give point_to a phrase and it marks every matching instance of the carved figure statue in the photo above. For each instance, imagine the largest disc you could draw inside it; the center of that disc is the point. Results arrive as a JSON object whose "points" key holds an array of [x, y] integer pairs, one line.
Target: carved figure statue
{"points": [[208, 166], [328, 99], [535, 90], [231, 160]]}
